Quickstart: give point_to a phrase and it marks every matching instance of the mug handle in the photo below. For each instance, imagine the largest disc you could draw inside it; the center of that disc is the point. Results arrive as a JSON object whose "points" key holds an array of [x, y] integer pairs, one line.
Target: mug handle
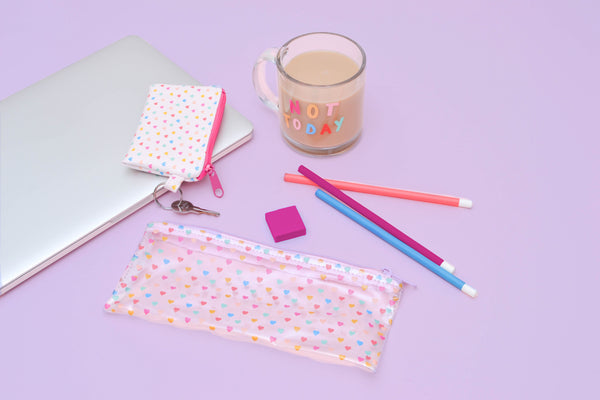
{"points": [[264, 92]]}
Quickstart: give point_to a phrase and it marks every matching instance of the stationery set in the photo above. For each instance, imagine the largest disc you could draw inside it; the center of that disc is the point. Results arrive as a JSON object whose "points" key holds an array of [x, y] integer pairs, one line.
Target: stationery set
{"points": [[195, 278]]}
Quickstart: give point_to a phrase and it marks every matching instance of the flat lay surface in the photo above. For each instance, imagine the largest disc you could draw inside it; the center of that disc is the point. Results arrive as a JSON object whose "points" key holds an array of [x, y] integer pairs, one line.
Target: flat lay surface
{"points": [[492, 102]]}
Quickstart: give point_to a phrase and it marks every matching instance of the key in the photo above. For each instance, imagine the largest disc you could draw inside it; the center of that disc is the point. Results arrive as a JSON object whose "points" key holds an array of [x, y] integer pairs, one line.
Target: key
{"points": [[185, 207]]}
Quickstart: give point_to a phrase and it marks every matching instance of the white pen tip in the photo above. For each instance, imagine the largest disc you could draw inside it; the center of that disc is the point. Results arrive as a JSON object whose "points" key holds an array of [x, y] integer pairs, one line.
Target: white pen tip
{"points": [[448, 267], [469, 290], [465, 203]]}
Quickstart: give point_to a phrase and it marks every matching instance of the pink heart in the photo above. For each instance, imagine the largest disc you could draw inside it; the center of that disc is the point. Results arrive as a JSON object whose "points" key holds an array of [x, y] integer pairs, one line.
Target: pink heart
{"points": [[146, 311], [187, 319]]}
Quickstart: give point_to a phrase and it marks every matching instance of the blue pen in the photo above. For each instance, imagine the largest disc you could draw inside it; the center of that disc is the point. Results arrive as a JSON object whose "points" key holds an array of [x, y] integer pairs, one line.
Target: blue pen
{"points": [[392, 240]]}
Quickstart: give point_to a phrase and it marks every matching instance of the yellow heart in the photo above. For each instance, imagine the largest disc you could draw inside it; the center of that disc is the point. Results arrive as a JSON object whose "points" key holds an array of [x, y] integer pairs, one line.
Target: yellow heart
{"points": [[254, 320], [188, 269], [148, 276], [268, 289], [131, 295], [212, 328], [130, 312], [171, 301], [148, 256], [254, 338], [342, 356], [202, 248], [364, 287], [227, 280], [282, 267], [340, 339], [211, 311], [309, 297], [354, 321], [297, 347], [350, 305], [323, 276], [170, 320], [242, 258], [164, 238], [296, 328]]}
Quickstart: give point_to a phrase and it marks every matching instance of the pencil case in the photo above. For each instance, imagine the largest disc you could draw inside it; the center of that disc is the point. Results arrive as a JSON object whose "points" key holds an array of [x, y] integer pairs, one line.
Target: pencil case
{"points": [[177, 132], [320, 308]]}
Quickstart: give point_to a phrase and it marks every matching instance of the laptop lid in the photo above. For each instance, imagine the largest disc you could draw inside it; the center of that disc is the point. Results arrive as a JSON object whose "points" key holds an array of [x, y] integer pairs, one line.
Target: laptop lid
{"points": [[61, 145]]}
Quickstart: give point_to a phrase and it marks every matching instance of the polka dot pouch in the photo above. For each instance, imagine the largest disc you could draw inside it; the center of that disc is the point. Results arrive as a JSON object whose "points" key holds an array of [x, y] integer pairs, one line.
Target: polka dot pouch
{"points": [[177, 132], [311, 306]]}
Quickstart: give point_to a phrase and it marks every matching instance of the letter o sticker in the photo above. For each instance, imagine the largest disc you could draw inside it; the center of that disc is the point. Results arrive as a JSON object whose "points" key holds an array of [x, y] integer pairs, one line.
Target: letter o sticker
{"points": [[297, 124], [312, 111]]}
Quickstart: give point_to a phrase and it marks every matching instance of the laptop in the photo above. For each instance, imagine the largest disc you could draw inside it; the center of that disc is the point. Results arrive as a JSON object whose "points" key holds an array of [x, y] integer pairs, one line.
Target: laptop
{"points": [[61, 145]]}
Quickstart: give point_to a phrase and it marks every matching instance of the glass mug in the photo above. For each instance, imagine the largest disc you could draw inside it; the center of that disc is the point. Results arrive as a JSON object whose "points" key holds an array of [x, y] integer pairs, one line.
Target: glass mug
{"points": [[320, 80]]}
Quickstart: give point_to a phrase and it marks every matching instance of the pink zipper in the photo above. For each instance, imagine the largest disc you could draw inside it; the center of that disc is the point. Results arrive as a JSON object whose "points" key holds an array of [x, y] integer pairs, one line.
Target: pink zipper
{"points": [[208, 168]]}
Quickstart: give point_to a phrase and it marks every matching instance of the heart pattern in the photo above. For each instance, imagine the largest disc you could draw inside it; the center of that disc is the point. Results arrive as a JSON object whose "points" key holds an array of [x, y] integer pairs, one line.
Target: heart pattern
{"points": [[176, 132], [304, 308]]}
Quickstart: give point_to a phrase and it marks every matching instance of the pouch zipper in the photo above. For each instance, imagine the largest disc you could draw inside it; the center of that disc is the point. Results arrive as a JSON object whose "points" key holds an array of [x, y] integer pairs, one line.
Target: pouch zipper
{"points": [[389, 273], [208, 168]]}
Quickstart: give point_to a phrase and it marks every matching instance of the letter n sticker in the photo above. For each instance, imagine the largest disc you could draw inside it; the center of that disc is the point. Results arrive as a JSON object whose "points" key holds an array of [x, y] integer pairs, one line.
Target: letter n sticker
{"points": [[295, 107]]}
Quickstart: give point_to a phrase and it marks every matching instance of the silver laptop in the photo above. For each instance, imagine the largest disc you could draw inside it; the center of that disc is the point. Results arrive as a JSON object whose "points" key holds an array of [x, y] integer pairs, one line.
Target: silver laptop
{"points": [[61, 145]]}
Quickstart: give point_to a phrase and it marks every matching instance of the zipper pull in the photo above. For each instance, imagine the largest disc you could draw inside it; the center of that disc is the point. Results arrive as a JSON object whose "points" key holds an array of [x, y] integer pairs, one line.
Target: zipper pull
{"points": [[214, 181], [389, 273]]}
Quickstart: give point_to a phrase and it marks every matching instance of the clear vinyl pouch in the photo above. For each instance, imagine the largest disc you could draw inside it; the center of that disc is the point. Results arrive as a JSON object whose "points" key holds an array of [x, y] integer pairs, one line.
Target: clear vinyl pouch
{"points": [[316, 307]]}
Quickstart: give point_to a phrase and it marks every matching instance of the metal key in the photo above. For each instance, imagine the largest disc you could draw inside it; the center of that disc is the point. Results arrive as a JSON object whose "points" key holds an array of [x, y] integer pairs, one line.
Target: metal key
{"points": [[185, 207]]}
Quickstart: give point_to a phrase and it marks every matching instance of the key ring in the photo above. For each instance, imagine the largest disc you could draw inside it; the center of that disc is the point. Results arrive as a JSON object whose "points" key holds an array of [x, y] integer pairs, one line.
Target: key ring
{"points": [[182, 206], [159, 186]]}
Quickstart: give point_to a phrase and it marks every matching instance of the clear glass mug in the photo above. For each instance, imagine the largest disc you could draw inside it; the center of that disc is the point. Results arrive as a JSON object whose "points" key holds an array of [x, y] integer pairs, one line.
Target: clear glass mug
{"points": [[320, 81]]}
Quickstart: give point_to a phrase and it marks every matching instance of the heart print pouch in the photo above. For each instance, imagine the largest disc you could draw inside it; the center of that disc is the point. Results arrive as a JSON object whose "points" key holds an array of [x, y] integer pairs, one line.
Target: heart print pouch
{"points": [[312, 306], [176, 134]]}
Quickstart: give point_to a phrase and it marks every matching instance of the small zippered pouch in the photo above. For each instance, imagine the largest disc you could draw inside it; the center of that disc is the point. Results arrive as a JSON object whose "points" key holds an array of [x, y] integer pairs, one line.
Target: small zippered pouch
{"points": [[317, 307], [177, 132]]}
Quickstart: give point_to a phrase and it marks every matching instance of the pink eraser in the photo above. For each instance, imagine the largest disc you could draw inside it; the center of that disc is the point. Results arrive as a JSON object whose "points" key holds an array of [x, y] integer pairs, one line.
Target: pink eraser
{"points": [[285, 223]]}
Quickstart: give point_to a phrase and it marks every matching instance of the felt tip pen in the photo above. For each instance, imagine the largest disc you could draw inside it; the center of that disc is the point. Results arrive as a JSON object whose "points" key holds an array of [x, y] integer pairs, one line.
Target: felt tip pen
{"points": [[395, 242]]}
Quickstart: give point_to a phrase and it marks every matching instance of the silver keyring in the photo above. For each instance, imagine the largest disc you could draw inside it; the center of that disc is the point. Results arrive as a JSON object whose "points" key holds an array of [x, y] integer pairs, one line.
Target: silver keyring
{"points": [[159, 186]]}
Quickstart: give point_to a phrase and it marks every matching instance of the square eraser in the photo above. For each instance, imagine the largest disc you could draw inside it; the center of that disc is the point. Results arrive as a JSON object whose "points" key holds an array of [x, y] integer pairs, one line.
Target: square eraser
{"points": [[285, 223]]}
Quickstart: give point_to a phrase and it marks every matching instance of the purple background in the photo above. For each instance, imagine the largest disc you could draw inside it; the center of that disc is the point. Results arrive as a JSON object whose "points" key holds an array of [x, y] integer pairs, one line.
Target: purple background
{"points": [[494, 101]]}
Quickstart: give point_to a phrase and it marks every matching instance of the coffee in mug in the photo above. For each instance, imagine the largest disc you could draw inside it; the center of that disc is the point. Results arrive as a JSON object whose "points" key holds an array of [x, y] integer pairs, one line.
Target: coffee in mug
{"points": [[320, 91]]}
